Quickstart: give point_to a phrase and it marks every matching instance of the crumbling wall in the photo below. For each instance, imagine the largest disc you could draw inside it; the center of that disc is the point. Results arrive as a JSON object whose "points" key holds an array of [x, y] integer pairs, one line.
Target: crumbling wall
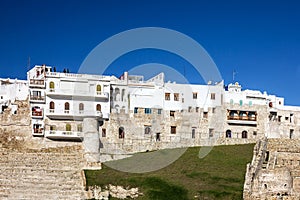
{"points": [[274, 171]]}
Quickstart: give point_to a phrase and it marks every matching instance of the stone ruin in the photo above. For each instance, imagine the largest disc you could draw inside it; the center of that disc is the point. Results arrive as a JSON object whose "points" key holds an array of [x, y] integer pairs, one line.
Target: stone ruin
{"points": [[274, 172]]}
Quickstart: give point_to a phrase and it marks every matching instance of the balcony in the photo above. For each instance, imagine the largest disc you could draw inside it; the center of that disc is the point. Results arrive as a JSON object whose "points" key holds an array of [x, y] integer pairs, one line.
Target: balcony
{"points": [[64, 135], [77, 93], [242, 117], [37, 99], [37, 83], [71, 114]]}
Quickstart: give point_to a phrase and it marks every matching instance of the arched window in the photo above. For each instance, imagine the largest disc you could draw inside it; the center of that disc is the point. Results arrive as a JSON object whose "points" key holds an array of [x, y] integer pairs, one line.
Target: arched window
{"points": [[228, 133], [117, 94], [67, 107], [51, 86], [68, 127], [81, 107], [98, 89], [51, 106], [121, 132], [98, 107], [244, 134], [147, 129], [79, 128]]}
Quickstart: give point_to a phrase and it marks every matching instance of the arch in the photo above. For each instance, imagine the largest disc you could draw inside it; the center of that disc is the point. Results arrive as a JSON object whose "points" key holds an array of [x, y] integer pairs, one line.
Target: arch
{"points": [[244, 134], [123, 95], [68, 127], [117, 94], [81, 107], [147, 129], [228, 133], [67, 106], [51, 86], [98, 107], [79, 127], [98, 89], [52, 105]]}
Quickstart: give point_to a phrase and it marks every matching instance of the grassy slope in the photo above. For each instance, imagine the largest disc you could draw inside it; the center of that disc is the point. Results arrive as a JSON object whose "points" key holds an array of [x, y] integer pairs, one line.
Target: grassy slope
{"points": [[219, 175]]}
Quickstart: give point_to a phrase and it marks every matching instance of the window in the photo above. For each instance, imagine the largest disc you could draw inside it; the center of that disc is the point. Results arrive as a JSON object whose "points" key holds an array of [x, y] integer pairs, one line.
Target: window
{"points": [[51, 86], [98, 89], [291, 133], [228, 133], [98, 107], [172, 113], [51, 107], [213, 110], [79, 127], [67, 107], [244, 134], [279, 118], [167, 96], [193, 132], [159, 111], [197, 109], [157, 137], [147, 129], [68, 127], [176, 96], [213, 96], [241, 102], [147, 110], [81, 107], [135, 110], [182, 100], [205, 114], [250, 103], [211, 132], [195, 94], [254, 133], [103, 132], [121, 132], [231, 101], [52, 127], [173, 129], [190, 109]]}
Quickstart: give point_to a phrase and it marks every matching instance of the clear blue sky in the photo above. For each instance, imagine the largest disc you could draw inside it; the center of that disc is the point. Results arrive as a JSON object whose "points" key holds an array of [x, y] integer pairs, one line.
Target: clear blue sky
{"points": [[259, 39]]}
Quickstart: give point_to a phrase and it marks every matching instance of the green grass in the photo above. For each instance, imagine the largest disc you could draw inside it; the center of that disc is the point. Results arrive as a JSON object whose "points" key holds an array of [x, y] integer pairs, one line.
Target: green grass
{"points": [[219, 175]]}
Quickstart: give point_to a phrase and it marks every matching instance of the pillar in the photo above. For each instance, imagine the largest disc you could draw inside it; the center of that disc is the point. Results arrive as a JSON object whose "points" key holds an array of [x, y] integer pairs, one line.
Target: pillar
{"points": [[91, 140]]}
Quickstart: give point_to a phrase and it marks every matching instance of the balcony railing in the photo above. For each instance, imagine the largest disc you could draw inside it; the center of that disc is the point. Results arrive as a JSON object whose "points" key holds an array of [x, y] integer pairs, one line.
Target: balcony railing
{"points": [[38, 131], [54, 134], [37, 98], [37, 83], [70, 114], [73, 92], [246, 118], [37, 114]]}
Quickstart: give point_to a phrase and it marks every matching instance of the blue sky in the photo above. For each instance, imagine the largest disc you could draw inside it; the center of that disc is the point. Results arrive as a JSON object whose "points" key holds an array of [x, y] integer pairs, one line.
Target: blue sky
{"points": [[258, 39]]}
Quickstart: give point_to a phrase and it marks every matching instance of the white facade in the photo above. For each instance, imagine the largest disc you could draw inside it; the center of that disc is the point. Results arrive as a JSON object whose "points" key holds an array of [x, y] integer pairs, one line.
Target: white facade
{"points": [[10, 91], [60, 100]]}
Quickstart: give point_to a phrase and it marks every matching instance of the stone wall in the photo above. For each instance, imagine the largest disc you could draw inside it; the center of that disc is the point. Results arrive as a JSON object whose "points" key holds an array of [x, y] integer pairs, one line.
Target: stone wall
{"points": [[274, 171]]}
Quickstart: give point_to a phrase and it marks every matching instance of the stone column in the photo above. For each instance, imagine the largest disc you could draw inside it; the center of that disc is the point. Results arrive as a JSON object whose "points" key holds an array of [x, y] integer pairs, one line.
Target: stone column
{"points": [[91, 141]]}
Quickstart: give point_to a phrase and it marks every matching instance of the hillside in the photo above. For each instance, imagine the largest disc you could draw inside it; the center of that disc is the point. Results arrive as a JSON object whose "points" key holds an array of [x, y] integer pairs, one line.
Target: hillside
{"points": [[219, 175]]}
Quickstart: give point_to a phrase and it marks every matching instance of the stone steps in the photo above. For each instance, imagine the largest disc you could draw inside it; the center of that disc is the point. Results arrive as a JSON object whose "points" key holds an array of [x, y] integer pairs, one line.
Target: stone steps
{"points": [[40, 175]]}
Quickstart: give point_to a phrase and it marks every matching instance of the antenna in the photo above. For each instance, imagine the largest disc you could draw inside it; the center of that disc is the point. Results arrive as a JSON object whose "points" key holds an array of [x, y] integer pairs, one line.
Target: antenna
{"points": [[233, 74]]}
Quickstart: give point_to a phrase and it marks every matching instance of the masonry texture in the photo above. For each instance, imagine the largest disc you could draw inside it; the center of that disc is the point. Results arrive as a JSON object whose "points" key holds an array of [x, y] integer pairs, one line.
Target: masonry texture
{"points": [[274, 172], [35, 169]]}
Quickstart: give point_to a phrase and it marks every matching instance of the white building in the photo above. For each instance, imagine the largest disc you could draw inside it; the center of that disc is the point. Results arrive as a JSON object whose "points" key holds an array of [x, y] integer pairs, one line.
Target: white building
{"points": [[10, 91], [60, 100]]}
